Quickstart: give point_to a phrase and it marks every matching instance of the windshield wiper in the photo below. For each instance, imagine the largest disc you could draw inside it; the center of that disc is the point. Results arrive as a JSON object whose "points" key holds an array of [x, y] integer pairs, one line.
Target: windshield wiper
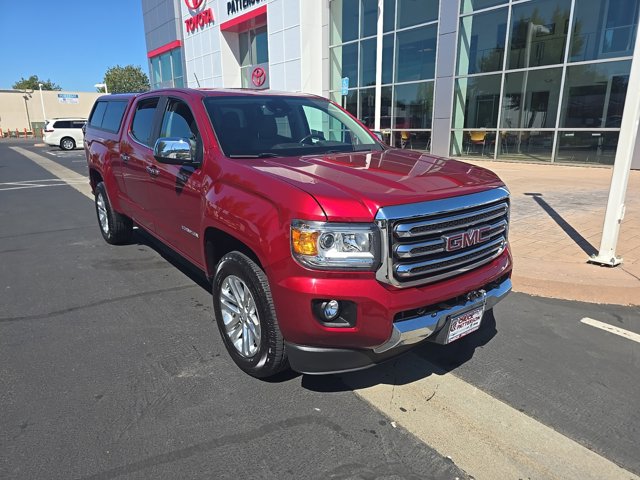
{"points": [[255, 155]]}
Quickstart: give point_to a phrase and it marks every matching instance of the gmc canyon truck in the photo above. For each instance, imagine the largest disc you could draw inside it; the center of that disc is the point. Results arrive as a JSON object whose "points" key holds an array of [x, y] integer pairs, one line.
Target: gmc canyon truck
{"points": [[327, 251]]}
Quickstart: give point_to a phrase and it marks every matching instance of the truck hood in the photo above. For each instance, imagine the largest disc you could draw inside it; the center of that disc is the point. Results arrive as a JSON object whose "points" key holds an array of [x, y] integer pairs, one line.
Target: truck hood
{"points": [[353, 186]]}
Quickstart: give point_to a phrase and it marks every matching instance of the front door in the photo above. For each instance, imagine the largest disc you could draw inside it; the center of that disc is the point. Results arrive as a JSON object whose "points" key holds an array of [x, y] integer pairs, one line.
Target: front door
{"points": [[176, 190]]}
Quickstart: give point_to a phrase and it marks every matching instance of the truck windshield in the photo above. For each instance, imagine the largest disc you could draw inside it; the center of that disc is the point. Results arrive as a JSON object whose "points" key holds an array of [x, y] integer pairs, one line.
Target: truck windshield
{"points": [[264, 126]]}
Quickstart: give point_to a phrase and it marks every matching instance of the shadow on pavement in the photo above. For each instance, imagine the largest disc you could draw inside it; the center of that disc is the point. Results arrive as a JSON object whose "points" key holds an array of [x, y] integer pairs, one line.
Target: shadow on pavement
{"points": [[582, 242], [420, 362]]}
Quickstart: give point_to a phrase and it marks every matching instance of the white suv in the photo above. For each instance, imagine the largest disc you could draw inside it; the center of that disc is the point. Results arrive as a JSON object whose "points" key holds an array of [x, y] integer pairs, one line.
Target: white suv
{"points": [[65, 133]]}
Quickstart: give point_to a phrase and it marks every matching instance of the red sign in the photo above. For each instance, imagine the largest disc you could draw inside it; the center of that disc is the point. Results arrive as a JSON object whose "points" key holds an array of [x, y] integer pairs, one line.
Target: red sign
{"points": [[258, 76], [193, 4], [199, 20]]}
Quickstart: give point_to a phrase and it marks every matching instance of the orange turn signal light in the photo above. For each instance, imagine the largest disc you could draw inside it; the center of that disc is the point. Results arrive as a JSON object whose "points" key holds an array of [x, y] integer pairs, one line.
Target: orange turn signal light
{"points": [[304, 243]]}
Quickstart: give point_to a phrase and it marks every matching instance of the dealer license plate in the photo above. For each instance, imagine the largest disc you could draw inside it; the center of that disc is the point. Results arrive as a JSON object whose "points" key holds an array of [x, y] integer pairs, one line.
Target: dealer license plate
{"points": [[465, 323]]}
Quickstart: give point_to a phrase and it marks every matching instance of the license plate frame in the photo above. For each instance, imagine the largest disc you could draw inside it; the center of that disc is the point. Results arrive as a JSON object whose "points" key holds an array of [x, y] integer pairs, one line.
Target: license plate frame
{"points": [[464, 323]]}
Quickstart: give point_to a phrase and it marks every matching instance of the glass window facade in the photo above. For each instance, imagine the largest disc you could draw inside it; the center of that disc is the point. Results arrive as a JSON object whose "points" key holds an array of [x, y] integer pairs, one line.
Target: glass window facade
{"points": [[538, 80], [166, 70], [534, 82], [409, 54]]}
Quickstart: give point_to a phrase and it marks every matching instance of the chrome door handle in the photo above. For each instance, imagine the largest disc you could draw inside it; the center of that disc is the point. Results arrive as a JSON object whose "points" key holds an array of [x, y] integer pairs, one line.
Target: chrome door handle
{"points": [[153, 171], [124, 157]]}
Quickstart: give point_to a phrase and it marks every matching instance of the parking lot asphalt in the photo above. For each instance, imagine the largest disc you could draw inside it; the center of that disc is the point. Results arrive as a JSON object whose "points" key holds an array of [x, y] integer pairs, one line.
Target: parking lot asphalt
{"points": [[111, 367]]}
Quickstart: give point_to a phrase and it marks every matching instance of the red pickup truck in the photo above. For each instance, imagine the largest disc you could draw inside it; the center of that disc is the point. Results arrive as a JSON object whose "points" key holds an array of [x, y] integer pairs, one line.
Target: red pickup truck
{"points": [[327, 251]]}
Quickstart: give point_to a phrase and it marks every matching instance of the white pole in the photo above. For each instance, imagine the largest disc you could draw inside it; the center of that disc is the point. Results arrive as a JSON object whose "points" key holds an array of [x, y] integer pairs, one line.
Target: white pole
{"points": [[378, 103], [44, 115], [621, 168]]}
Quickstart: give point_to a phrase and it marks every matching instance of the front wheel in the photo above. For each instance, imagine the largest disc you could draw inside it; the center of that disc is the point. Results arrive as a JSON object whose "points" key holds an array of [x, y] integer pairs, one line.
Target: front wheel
{"points": [[246, 317], [116, 229]]}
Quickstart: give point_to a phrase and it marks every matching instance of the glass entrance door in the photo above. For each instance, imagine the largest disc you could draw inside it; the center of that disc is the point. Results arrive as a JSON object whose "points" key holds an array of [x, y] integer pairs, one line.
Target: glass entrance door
{"points": [[254, 50]]}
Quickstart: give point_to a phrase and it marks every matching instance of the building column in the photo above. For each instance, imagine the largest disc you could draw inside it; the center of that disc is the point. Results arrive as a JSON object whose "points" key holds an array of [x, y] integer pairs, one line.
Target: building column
{"points": [[445, 78]]}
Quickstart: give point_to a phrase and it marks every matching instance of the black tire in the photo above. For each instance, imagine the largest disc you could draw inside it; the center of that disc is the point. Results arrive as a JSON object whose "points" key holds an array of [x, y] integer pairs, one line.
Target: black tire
{"points": [[67, 143], [270, 357], [116, 229]]}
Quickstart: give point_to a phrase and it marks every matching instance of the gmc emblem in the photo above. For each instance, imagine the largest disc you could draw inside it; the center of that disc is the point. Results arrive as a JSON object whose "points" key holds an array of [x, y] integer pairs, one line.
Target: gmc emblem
{"points": [[471, 237]]}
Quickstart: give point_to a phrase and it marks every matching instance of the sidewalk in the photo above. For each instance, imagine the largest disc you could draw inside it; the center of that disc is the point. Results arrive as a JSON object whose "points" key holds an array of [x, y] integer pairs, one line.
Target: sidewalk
{"points": [[556, 224]]}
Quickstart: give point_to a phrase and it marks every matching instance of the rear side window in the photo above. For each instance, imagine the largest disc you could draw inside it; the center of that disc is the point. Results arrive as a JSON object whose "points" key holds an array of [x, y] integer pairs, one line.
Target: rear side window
{"points": [[62, 124], [113, 116], [142, 125], [77, 124], [106, 116], [98, 114]]}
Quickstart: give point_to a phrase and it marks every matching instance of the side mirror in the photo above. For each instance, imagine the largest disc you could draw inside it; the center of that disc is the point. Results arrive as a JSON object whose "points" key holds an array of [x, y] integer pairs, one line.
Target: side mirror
{"points": [[174, 151]]}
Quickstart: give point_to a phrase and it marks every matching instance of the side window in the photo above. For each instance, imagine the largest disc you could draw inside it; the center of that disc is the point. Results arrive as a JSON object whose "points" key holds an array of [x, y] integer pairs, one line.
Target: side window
{"points": [[62, 124], [142, 125], [77, 124], [98, 114], [178, 122], [112, 116]]}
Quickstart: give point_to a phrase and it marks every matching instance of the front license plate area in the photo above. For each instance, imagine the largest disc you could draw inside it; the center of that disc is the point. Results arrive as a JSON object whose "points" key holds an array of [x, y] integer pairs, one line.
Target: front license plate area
{"points": [[465, 323]]}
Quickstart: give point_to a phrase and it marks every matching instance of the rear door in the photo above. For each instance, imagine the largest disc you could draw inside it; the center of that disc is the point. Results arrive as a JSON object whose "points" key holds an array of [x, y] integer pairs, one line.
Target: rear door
{"points": [[78, 135], [176, 189], [138, 170]]}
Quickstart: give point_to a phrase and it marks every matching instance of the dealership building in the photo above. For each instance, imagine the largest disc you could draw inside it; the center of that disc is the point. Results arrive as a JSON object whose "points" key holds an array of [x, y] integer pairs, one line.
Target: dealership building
{"points": [[530, 80]]}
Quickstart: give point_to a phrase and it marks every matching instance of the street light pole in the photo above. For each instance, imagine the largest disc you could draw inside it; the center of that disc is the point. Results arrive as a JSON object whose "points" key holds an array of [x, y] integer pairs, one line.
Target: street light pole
{"points": [[44, 115], [621, 168]]}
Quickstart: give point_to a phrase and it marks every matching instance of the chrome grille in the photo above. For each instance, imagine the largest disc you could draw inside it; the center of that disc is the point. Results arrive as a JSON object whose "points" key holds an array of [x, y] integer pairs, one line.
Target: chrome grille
{"points": [[416, 237]]}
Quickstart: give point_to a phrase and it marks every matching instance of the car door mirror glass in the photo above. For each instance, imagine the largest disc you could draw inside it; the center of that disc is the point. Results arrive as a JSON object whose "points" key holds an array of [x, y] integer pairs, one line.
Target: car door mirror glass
{"points": [[175, 151]]}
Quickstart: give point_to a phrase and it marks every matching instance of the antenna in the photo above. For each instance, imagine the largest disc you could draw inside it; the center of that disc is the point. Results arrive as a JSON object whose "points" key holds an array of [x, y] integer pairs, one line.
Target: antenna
{"points": [[197, 81]]}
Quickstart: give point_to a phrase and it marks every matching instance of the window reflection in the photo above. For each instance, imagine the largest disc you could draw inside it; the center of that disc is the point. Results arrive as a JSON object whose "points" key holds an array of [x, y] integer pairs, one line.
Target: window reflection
{"points": [[368, 62], [468, 6], [415, 12], [541, 92], [482, 42], [344, 63], [595, 94], [477, 100], [587, 147], [416, 54], [413, 105], [538, 33], [344, 21], [604, 29], [530, 145]]}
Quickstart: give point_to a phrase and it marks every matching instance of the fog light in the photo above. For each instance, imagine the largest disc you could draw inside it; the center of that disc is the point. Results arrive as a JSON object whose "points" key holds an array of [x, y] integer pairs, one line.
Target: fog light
{"points": [[331, 309]]}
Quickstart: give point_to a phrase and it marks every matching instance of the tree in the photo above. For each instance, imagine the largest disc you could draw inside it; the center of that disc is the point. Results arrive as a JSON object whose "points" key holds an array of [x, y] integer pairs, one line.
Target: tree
{"points": [[32, 83], [126, 79]]}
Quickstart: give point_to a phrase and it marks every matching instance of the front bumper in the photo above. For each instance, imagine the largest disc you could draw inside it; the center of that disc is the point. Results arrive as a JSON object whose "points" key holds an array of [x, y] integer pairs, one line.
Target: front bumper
{"points": [[432, 326]]}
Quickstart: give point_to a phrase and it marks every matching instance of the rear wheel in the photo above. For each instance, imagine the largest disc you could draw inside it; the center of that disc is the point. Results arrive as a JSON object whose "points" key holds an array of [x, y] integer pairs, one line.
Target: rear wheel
{"points": [[246, 317], [67, 143], [116, 229]]}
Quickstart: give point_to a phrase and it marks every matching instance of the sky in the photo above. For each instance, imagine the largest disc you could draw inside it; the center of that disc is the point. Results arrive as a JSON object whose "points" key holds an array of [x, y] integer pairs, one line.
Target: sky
{"points": [[70, 42]]}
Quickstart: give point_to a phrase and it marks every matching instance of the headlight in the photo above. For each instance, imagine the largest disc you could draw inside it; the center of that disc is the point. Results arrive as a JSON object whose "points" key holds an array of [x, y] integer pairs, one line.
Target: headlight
{"points": [[335, 246]]}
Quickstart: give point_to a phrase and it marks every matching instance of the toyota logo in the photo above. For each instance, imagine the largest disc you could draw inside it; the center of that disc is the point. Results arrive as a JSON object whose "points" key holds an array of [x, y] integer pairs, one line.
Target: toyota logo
{"points": [[193, 4], [258, 76]]}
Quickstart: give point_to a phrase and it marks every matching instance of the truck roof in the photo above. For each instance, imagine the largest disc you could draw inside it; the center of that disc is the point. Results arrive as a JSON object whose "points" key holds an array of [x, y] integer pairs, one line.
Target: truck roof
{"points": [[208, 92]]}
